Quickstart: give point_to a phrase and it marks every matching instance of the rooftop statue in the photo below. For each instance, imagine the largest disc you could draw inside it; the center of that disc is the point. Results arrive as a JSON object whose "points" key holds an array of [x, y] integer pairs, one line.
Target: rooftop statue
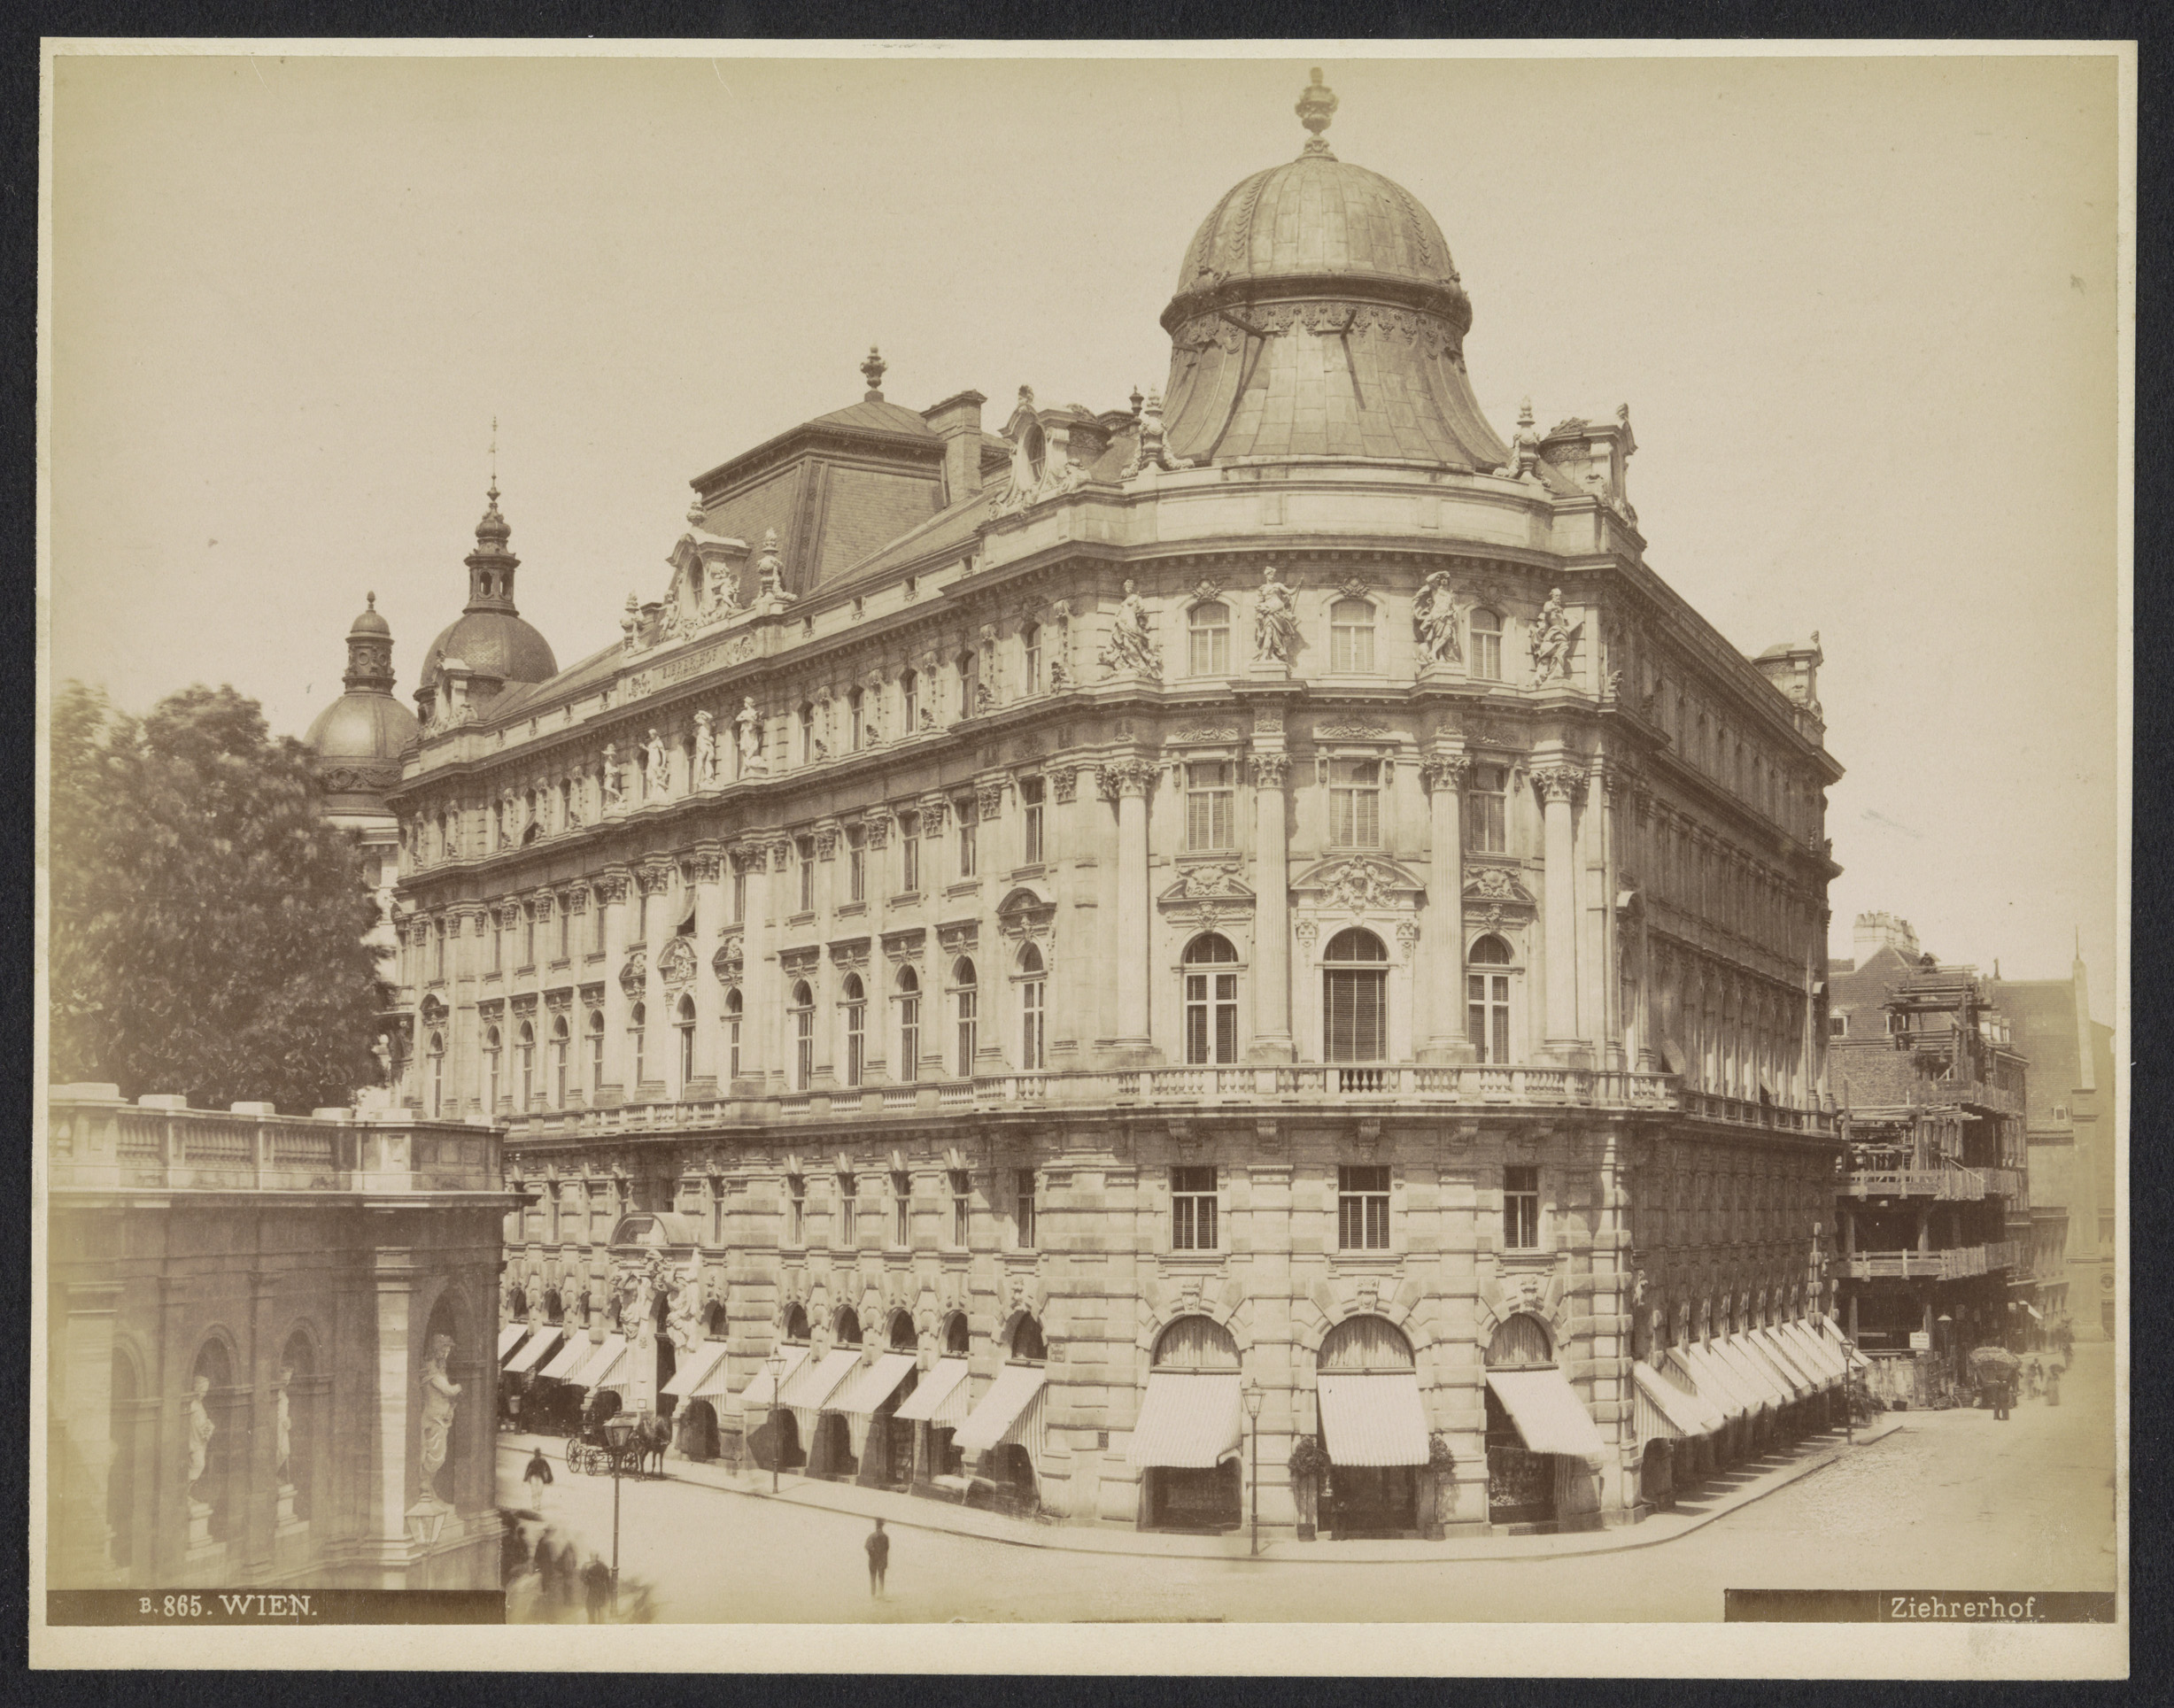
{"points": [[1524, 462]]}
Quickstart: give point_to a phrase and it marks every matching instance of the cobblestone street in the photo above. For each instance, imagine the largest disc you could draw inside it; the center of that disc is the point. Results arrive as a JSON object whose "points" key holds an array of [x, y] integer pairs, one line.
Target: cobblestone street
{"points": [[1952, 1501]]}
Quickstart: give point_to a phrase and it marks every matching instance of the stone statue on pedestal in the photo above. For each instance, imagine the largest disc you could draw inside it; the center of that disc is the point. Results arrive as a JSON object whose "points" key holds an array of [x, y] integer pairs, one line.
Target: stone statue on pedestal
{"points": [[1434, 619], [201, 1429], [441, 1396], [1275, 619], [1131, 645], [749, 724], [285, 1427], [704, 750]]}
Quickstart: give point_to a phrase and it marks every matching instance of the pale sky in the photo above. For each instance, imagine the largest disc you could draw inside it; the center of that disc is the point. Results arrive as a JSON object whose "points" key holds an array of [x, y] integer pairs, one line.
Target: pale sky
{"points": [[1863, 312]]}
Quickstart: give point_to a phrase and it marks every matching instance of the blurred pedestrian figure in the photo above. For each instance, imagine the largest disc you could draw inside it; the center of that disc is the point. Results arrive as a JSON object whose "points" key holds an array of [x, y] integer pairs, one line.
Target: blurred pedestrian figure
{"points": [[596, 1584], [878, 1546], [538, 1477], [2000, 1399], [2035, 1380], [2052, 1386], [568, 1577]]}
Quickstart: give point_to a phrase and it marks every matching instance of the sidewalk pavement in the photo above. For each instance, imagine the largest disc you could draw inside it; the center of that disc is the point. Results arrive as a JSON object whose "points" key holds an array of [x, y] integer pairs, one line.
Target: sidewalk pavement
{"points": [[1717, 1497]]}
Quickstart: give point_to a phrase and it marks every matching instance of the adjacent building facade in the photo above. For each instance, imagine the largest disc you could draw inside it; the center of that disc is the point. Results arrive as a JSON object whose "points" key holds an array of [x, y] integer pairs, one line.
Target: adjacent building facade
{"points": [[1044, 941]]}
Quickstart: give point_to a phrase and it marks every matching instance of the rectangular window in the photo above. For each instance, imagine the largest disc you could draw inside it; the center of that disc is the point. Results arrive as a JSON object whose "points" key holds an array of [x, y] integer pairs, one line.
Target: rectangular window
{"points": [[803, 1049], [1355, 803], [1192, 1209], [1210, 1018], [596, 925], [901, 1207], [804, 852], [1356, 1021], [1029, 806], [497, 946], [969, 1032], [1362, 1208], [909, 1039], [438, 965], [1210, 805], [1030, 657], [528, 935], [909, 703], [856, 1040], [596, 1060], [1032, 1056], [1350, 637], [1208, 629], [1487, 810], [1838, 1025], [566, 928], [739, 895], [961, 1204], [910, 853], [1520, 1209], [1486, 1016], [967, 828], [1022, 1212], [845, 1230], [856, 865], [731, 1047], [856, 722], [796, 1210]]}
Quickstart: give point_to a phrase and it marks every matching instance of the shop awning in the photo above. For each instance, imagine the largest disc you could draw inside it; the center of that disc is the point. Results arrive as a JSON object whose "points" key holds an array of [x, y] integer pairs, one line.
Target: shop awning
{"points": [[688, 1379], [1372, 1417], [1838, 1337], [1753, 1374], [1791, 1365], [991, 1423], [1715, 1384], [1686, 1413], [578, 1349], [1188, 1420], [1824, 1358], [2034, 1309], [863, 1393], [938, 1398], [601, 1370], [1548, 1412], [810, 1387], [534, 1350], [758, 1395], [509, 1337]]}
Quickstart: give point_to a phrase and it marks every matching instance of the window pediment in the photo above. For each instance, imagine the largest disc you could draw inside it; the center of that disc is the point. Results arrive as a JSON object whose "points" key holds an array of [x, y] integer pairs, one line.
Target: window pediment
{"points": [[1360, 883], [1218, 881]]}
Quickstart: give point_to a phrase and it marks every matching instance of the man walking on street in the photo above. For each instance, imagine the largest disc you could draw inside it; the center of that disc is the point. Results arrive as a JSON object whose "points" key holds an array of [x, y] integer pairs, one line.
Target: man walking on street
{"points": [[538, 1477], [878, 1546], [1999, 1399], [596, 1580]]}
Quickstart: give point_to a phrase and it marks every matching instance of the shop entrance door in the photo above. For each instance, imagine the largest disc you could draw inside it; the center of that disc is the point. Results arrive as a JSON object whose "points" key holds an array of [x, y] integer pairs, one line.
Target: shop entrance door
{"points": [[1194, 1499], [1372, 1500]]}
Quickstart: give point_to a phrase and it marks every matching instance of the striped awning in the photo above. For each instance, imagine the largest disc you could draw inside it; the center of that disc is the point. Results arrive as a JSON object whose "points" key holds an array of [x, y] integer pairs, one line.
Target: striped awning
{"points": [[1838, 1337], [509, 1337], [1188, 1420], [1686, 1416], [759, 1393], [1714, 1383], [578, 1349], [534, 1350], [991, 1423], [862, 1393], [603, 1371], [810, 1387], [1372, 1417], [1548, 1412], [938, 1398], [1754, 1374], [1822, 1357], [688, 1379], [1802, 1384]]}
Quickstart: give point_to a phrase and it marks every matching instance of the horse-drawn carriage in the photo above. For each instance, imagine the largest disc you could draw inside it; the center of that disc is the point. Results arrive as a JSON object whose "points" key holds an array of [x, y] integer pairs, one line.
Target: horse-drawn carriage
{"points": [[591, 1450]]}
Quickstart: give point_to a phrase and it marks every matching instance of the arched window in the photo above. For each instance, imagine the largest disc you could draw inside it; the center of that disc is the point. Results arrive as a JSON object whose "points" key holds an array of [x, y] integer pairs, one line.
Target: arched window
{"points": [[907, 1067], [686, 1041], [1030, 659], [1487, 999], [735, 1015], [491, 1044], [904, 1338], [1033, 989], [560, 1039], [1027, 1343], [967, 1005], [1350, 637], [856, 722], [846, 1327], [1207, 627], [1210, 1000], [796, 1324], [1355, 997], [808, 732], [637, 1024], [856, 1027], [803, 1036], [1195, 1343], [1364, 1343], [958, 1338], [908, 702], [298, 1364], [528, 1066], [596, 1052], [1486, 645]]}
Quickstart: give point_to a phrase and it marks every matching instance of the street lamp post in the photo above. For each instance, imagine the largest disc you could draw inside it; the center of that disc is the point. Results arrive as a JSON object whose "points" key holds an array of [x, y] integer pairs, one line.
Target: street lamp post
{"points": [[776, 1365], [1252, 1391], [618, 1429]]}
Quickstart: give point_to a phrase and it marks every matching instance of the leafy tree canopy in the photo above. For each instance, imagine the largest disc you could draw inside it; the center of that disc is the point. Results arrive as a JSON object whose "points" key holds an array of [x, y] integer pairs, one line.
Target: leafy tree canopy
{"points": [[207, 923]]}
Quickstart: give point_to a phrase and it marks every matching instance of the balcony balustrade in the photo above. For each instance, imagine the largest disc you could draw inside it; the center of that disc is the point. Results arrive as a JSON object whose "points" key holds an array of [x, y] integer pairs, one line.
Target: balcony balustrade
{"points": [[1968, 1184], [1953, 1263]]}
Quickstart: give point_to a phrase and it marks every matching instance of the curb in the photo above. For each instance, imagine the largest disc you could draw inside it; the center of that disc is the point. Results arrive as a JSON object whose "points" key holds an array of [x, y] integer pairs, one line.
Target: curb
{"points": [[1275, 1553]]}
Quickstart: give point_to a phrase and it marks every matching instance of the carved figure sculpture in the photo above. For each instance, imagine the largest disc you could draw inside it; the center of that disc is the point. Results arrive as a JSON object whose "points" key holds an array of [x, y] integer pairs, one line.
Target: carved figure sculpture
{"points": [[1151, 452], [1434, 619], [1275, 619], [1551, 640], [631, 624], [1524, 447], [441, 1398], [285, 1425], [659, 765], [201, 1429], [721, 597], [769, 568], [1131, 647], [609, 785], [705, 749], [749, 724], [687, 1324]]}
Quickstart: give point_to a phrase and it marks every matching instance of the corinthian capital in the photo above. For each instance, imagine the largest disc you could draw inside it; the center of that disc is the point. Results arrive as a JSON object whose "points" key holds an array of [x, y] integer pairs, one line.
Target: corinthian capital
{"points": [[1441, 771], [1126, 777], [1270, 771], [1565, 783]]}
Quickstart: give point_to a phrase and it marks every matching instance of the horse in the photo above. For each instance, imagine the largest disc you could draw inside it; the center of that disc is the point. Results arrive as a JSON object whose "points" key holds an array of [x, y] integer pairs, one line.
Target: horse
{"points": [[652, 1435]]}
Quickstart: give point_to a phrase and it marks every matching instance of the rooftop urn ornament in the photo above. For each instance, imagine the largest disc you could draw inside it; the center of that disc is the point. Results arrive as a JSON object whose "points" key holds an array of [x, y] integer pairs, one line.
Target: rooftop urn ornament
{"points": [[1316, 105], [871, 370], [1524, 447], [770, 568], [1150, 452]]}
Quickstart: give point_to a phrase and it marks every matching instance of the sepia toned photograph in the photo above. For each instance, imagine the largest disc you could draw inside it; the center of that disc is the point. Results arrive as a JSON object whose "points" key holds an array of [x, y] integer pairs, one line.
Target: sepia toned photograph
{"points": [[882, 837]]}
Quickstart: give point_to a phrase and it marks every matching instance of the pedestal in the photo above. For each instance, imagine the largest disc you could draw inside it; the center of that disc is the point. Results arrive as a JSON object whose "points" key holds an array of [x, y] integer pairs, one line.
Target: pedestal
{"points": [[200, 1526], [283, 1516]]}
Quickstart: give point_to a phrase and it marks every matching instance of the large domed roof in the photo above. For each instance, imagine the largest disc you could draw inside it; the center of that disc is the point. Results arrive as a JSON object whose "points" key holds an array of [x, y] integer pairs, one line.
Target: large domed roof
{"points": [[356, 742], [366, 728], [497, 643]]}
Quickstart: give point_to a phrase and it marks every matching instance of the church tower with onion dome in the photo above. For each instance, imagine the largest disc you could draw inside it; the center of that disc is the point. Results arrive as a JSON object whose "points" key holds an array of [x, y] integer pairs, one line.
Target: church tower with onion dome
{"points": [[1070, 943]]}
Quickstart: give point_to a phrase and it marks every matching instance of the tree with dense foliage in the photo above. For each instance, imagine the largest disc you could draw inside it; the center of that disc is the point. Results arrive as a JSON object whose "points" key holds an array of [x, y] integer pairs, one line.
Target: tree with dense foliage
{"points": [[206, 923]]}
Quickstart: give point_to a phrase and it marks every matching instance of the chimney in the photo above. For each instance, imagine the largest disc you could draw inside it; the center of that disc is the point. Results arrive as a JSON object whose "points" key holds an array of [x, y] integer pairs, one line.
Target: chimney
{"points": [[1878, 930], [957, 422]]}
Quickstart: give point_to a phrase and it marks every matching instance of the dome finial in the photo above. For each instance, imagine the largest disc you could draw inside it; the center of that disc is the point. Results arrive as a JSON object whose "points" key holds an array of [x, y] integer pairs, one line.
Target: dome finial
{"points": [[1316, 105], [871, 370], [494, 462]]}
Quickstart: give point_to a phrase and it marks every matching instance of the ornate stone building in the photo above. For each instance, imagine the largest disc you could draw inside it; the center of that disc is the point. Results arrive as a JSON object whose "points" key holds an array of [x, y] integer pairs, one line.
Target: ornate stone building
{"points": [[1262, 888]]}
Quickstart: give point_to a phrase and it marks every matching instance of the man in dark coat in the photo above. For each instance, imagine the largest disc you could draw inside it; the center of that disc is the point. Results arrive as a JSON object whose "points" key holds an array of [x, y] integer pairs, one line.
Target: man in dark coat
{"points": [[596, 1584], [878, 1546]]}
